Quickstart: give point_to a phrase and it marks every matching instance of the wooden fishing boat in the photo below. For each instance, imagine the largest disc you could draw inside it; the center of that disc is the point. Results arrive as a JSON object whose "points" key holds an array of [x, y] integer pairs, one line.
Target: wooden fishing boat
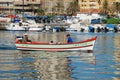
{"points": [[87, 44]]}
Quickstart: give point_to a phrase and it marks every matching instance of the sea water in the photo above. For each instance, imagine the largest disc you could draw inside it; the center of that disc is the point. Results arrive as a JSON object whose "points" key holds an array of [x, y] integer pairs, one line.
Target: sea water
{"points": [[101, 64]]}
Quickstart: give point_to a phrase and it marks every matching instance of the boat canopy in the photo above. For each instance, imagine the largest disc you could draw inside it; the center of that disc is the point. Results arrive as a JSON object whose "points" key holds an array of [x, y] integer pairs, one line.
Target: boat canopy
{"points": [[110, 26]]}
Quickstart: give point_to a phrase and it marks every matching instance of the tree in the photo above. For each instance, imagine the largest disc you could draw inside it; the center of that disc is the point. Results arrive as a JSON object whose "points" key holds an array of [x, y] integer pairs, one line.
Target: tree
{"points": [[58, 8], [105, 8], [116, 7], [41, 12], [73, 8], [99, 2], [32, 7]]}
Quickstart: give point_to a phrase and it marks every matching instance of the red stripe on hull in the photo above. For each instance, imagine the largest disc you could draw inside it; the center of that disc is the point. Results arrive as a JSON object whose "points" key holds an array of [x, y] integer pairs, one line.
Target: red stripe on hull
{"points": [[38, 43]]}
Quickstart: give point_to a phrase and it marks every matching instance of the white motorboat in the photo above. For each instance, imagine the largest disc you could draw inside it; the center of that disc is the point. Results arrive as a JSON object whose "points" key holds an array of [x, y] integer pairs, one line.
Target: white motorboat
{"points": [[29, 25], [15, 26]]}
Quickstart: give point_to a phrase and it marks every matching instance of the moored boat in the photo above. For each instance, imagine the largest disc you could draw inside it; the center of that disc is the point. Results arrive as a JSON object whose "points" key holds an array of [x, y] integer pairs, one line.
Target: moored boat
{"points": [[87, 44], [15, 27], [28, 25]]}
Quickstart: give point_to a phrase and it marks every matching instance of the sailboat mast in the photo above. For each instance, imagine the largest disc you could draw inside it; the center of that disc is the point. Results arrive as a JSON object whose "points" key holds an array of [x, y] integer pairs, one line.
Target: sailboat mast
{"points": [[23, 10]]}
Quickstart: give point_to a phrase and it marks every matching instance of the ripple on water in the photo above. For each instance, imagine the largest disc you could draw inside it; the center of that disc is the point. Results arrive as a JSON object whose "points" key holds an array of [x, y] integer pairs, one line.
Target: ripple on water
{"points": [[102, 64]]}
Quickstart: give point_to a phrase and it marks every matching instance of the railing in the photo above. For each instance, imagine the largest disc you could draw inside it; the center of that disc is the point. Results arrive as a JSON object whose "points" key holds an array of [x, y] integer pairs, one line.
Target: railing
{"points": [[21, 2]]}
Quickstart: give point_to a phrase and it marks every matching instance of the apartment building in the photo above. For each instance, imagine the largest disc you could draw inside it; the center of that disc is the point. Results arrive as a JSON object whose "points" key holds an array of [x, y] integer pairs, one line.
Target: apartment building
{"points": [[48, 5], [6, 6], [87, 6], [26, 5], [92, 6], [17, 6]]}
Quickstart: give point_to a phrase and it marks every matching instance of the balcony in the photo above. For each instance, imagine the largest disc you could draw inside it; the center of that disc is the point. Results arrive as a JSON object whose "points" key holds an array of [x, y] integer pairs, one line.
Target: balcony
{"points": [[92, 1], [6, 7], [37, 2], [6, 0], [19, 3], [26, 8], [26, 2], [93, 7], [83, 3]]}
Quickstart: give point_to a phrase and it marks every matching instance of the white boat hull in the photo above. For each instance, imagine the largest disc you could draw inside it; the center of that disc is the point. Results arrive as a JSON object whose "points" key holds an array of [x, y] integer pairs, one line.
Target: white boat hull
{"points": [[35, 29]]}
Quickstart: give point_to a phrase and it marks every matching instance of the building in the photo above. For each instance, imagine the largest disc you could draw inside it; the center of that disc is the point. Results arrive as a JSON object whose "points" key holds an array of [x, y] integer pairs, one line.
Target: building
{"points": [[49, 5], [26, 6], [6, 6], [92, 6], [17, 6]]}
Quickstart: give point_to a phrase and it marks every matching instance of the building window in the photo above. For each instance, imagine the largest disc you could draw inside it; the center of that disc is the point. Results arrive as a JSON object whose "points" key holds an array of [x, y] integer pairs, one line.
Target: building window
{"points": [[83, 5], [33, 0]]}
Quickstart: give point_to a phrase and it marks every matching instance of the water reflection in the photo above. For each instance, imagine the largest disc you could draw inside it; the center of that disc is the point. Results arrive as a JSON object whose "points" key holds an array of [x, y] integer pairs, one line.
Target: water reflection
{"points": [[7, 64], [55, 66], [117, 57], [101, 64], [40, 65]]}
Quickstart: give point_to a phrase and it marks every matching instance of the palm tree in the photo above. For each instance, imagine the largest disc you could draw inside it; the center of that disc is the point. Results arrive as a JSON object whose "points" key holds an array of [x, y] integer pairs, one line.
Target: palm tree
{"points": [[99, 2], [105, 8], [32, 7], [58, 8], [54, 10], [116, 7], [41, 12], [73, 8]]}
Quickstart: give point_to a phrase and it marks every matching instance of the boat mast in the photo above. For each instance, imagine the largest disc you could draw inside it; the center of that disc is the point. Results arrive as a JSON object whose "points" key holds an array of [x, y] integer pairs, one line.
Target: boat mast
{"points": [[23, 10]]}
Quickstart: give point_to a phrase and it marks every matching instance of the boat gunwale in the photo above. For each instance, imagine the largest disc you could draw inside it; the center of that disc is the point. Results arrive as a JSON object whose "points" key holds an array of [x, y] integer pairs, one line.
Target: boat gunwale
{"points": [[46, 43]]}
